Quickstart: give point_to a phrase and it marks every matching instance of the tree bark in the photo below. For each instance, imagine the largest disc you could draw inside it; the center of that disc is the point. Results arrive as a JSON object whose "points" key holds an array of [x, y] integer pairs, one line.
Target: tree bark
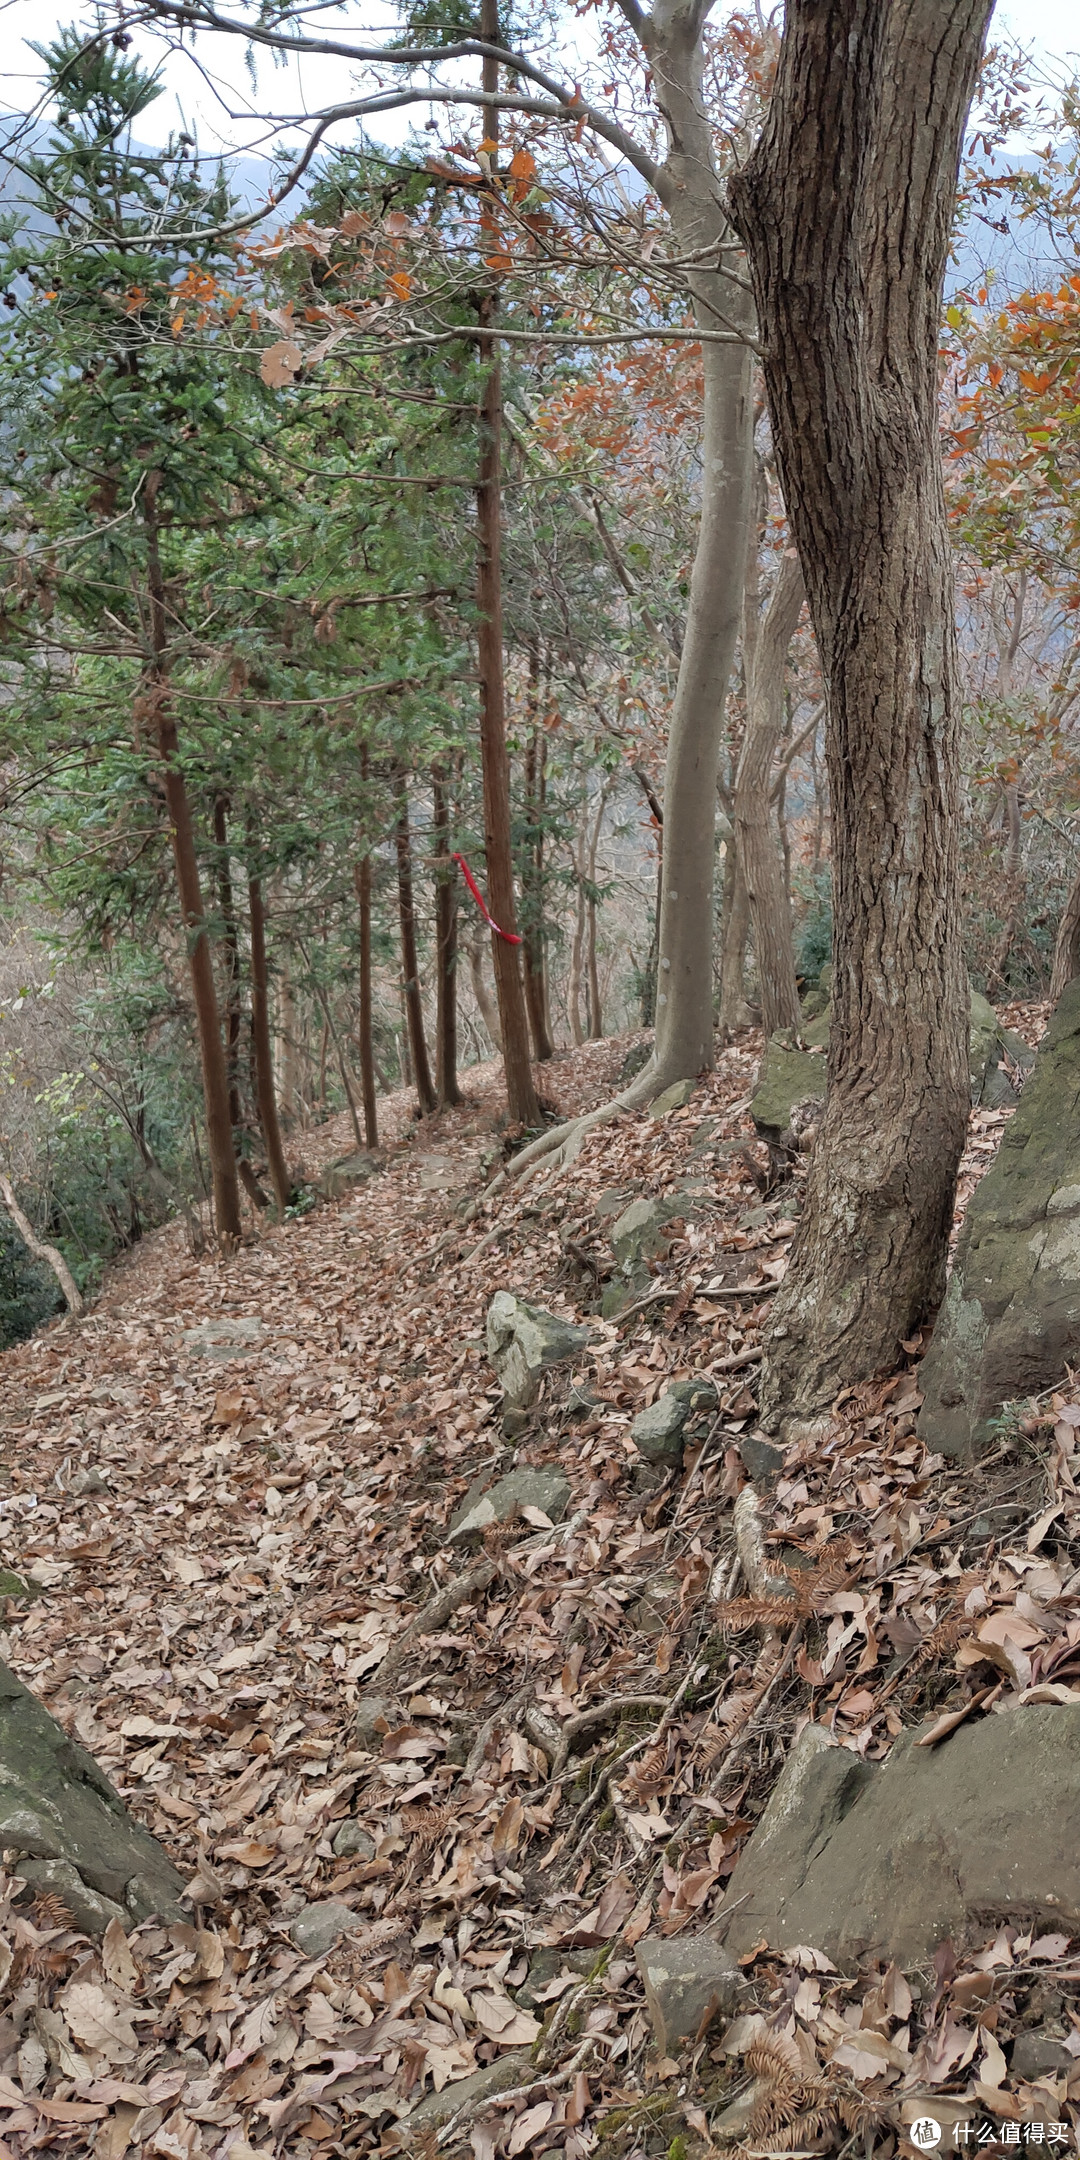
{"points": [[1067, 949], [690, 190], [762, 869], [734, 932], [414, 1012], [50, 1254], [230, 952], [365, 1040], [532, 950], [495, 764], [486, 1005], [446, 1080], [260, 1039], [845, 206], [224, 1182]]}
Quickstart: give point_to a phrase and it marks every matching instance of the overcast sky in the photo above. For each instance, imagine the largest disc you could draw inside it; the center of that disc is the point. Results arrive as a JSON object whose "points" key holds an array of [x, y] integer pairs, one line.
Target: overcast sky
{"points": [[220, 103]]}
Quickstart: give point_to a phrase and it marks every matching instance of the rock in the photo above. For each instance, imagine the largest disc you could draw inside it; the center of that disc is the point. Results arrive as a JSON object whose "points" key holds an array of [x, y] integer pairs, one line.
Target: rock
{"points": [[787, 1079], [761, 1460], [611, 1202], [1036, 2055], [317, 1928], [652, 1613], [638, 1235], [57, 1806], [704, 1139], [688, 1979], [499, 2076], [545, 1965], [674, 1097], [89, 1910], [523, 1342], [635, 1061], [988, 1045], [1011, 1318], [887, 1860], [219, 1340], [349, 1170], [657, 1431], [19, 1586], [548, 1490], [372, 1711], [352, 1842]]}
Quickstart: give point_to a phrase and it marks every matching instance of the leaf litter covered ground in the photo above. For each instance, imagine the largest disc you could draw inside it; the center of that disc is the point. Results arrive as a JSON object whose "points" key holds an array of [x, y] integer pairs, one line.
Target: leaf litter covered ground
{"points": [[231, 1485]]}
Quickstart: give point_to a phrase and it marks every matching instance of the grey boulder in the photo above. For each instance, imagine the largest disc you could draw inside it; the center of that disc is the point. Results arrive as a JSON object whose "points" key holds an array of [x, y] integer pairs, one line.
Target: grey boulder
{"points": [[547, 1490], [59, 1809], [859, 1859], [1011, 1318], [688, 1981], [317, 1929], [524, 1342]]}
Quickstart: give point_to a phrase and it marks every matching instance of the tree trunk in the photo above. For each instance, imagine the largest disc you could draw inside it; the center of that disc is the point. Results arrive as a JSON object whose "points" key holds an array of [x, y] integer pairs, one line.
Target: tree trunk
{"points": [[288, 1062], [690, 190], [446, 1080], [365, 1039], [224, 1182], [495, 764], [596, 1019], [532, 950], [1067, 949], [734, 932], [230, 952], [414, 1012], [50, 1254], [762, 870], [488, 1009], [845, 206], [577, 945], [260, 1039]]}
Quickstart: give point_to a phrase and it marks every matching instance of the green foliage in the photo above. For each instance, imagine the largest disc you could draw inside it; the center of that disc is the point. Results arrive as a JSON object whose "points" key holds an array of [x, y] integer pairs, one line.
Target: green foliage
{"points": [[28, 1291], [812, 908]]}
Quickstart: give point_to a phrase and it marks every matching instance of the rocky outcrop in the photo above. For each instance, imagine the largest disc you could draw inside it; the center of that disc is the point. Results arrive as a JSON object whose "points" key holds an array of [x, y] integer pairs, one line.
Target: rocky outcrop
{"points": [[524, 1342], [502, 1502], [659, 1431], [1011, 1318], [60, 1810], [688, 1981], [793, 1073], [860, 1859]]}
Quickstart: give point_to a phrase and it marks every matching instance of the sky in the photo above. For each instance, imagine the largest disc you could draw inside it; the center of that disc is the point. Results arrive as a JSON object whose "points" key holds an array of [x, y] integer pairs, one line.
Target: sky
{"points": [[219, 104]]}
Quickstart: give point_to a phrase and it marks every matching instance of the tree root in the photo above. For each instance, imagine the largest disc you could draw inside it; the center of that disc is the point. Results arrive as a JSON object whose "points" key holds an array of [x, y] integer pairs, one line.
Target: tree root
{"points": [[431, 1616]]}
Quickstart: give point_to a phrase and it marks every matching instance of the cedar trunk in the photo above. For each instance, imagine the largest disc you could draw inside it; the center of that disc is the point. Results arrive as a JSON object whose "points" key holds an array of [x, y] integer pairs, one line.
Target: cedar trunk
{"points": [[446, 1080], [845, 206], [414, 1011], [532, 950], [495, 764], [230, 952], [224, 1183], [263, 1053], [366, 1046]]}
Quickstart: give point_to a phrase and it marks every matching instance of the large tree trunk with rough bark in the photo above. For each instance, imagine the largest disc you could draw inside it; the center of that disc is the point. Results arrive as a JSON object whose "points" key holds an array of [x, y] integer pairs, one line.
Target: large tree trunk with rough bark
{"points": [[495, 764], [756, 845], [224, 1182], [690, 190], [845, 206]]}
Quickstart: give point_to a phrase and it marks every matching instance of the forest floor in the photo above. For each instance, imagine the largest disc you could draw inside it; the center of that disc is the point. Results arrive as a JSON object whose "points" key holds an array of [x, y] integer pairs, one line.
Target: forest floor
{"points": [[231, 1523]]}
